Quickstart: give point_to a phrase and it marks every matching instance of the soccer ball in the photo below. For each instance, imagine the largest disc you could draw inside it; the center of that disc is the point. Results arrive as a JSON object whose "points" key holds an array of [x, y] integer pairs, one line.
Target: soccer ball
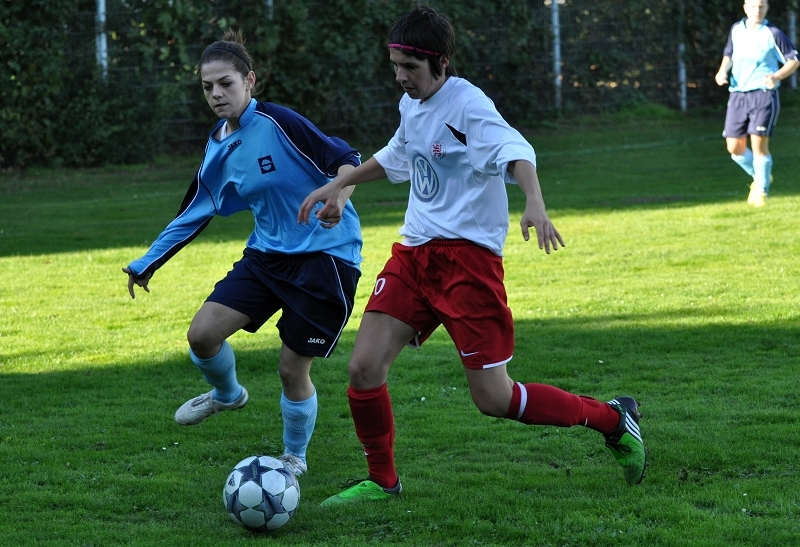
{"points": [[261, 494]]}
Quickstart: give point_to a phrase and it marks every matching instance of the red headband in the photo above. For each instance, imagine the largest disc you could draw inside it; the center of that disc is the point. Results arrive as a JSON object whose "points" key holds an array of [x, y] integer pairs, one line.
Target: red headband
{"points": [[412, 48]]}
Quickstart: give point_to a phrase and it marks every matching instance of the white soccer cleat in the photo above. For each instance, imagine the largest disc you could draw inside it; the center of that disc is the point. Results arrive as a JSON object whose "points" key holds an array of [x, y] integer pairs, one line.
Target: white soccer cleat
{"points": [[754, 190], [294, 464], [196, 410], [757, 196]]}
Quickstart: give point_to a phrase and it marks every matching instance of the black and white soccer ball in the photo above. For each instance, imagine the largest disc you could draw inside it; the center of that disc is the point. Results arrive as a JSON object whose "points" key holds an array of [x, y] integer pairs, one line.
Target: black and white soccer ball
{"points": [[261, 494]]}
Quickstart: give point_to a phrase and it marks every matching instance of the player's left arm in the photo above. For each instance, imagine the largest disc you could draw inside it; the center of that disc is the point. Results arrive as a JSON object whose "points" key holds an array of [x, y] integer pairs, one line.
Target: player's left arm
{"points": [[534, 215], [784, 72], [788, 55]]}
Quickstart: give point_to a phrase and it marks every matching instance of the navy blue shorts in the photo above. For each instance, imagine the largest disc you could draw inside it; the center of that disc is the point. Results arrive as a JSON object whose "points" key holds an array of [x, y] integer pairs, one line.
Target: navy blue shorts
{"points": [[315, 291], [751, 113]]}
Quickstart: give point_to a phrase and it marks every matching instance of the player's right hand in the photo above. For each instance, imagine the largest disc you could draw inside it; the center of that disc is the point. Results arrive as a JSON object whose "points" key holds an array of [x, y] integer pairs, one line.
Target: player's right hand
{"points": [[721, 78], [132, 280], [328, 195]]}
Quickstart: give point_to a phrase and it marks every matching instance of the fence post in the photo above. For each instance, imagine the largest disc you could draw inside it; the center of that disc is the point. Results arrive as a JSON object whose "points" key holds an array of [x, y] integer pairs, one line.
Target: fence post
{"points": [[101, 45], [793, 38], [681, 63], [682, 75], [557, 76]]}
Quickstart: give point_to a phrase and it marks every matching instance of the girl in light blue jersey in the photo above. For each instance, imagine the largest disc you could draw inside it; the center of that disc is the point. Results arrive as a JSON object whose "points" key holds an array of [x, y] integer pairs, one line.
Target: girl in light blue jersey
{"points": [[753, 56], [264, 158]]}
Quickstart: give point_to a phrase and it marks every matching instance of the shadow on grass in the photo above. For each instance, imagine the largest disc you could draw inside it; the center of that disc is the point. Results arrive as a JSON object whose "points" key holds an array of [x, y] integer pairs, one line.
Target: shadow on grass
{"points": [[667, 368], [589, 170], [98, 445]]}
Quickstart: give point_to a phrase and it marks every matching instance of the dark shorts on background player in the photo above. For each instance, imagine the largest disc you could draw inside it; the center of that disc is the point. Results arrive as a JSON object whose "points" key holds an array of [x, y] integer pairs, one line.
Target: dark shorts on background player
{"points": [[315, 292], [455, 283], [751, 113]]}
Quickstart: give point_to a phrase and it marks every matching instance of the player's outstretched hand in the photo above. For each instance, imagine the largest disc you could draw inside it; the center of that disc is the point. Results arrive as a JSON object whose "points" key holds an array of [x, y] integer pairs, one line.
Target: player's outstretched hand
{"points": [[545, 231], [330, 210], [133, 281]]}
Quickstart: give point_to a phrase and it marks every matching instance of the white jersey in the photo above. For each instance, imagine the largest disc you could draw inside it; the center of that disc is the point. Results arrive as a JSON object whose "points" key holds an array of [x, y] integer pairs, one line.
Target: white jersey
{"points": [[455, 149]]}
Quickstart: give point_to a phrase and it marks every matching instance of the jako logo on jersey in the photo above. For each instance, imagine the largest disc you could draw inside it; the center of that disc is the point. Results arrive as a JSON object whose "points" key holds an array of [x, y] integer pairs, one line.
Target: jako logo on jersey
{"points": [[233, 145], [316, 340], [425, 183], [379, 284], [438, 151], [266, 165]]}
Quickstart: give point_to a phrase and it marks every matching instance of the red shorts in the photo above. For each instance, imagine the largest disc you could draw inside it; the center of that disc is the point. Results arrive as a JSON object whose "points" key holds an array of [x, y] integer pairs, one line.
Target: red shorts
{"points": [[450, 282]]}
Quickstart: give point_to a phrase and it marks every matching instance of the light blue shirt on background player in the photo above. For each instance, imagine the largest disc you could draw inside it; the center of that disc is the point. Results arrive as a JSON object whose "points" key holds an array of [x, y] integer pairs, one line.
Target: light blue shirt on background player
{"points": [[756, 53], [268, 166]]}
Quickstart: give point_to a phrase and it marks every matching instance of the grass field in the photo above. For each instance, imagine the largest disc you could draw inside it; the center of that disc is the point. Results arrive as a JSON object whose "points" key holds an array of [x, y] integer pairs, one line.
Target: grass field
{"points": [[671, 289]]}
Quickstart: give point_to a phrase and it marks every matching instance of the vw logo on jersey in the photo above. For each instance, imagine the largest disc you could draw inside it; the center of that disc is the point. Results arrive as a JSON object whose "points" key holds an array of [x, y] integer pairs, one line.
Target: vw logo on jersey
{"points": [[425, 183]]}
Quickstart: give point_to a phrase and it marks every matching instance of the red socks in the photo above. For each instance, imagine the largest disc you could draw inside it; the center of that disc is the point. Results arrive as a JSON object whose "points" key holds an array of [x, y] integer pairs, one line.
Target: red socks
{"points": [[374, 421], [531, 404], [540, 404]]}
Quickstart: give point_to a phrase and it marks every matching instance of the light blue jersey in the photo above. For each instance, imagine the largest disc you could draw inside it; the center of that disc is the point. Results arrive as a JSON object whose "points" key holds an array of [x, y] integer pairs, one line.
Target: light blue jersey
{"points": [[269, 165], [756, 52]]}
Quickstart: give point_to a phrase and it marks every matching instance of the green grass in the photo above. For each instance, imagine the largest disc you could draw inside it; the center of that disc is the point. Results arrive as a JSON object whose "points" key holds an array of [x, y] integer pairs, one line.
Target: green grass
{"points": [[671, 289]]}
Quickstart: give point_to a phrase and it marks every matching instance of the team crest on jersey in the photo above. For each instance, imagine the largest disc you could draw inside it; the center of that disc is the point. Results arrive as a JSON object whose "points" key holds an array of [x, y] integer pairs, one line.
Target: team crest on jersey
{"points": [[266, 164], [438, 151], [424, 182]]}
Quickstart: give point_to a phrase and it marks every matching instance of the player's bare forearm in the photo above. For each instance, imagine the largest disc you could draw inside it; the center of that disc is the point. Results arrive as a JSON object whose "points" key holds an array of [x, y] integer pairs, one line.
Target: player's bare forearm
{"points": [[534, 215], [724, 68], [333, 215], [347, 191], [787, 70], [329, 194]]}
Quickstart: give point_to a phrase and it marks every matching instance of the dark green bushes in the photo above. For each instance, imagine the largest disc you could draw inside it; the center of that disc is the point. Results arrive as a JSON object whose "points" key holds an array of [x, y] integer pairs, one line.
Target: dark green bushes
{"points": [[327, 59]]}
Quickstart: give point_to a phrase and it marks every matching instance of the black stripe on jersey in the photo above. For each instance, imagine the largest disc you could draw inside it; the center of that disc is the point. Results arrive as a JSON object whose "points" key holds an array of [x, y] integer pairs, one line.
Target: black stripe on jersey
{"points": [[462, 138], [326, 154], [191, 193]]}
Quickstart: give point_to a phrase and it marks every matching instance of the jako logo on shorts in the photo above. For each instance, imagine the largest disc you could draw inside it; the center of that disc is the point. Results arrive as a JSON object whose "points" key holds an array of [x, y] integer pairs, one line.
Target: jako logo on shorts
{"points": [[425, 183]]}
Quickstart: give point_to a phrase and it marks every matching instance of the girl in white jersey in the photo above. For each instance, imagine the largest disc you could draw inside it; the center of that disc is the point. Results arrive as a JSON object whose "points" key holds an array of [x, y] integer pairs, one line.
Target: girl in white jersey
{"points": [[458, 153], [264, 158]]}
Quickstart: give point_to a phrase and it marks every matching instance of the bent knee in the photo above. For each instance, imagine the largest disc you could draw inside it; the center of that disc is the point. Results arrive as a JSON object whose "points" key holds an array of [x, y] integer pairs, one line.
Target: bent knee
{"points": [[366, 374], [201, 341], [736, 150]]}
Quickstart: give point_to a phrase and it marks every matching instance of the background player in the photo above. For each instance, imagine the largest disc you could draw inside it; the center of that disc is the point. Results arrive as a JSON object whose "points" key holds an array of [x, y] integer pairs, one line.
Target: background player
{"points": [[753, 55], [458, 152], [265, 158]]}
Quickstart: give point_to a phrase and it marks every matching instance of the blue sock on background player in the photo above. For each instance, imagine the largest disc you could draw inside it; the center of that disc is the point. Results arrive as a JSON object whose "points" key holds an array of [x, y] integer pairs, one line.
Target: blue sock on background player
{"points": [[745, 161], [220, 372], [763, 171], [299, 418]]}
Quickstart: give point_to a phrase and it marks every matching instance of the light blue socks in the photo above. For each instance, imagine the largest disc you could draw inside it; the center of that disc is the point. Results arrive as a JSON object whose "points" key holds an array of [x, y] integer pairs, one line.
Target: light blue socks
{"points": [[299, 418], [745, 161], [762, 165], [220, 372]]}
